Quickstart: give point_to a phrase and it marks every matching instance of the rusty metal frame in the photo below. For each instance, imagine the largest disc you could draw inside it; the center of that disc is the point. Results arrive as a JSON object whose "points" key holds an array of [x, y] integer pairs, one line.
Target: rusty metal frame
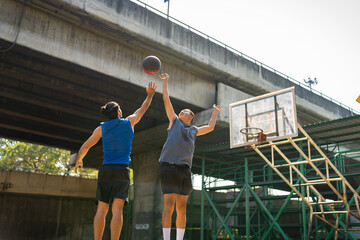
{"points": [[326, 207]]}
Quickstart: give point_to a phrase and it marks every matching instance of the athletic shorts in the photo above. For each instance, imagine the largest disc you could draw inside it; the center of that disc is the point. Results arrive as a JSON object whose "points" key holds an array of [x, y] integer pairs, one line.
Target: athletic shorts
{"points": [[175, 179], [113, 182]]}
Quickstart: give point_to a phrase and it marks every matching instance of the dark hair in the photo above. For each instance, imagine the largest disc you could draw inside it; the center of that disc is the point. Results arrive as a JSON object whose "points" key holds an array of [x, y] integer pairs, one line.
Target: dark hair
{"points": [[191, 112], [110, 110]]}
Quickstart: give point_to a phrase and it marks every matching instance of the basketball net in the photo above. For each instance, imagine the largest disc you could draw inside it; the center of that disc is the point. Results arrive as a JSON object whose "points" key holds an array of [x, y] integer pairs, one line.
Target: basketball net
{"points": [[253, 133]]}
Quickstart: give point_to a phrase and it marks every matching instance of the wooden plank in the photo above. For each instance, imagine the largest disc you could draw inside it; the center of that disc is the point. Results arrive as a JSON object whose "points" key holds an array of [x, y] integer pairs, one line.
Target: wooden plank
{"points": [[300, 162], [329, 162], [320, 203], [330, 212]]}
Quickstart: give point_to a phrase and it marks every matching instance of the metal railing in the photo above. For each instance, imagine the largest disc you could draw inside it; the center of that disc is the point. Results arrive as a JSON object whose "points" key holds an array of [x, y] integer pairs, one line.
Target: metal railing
{"points": [[246, 56]]}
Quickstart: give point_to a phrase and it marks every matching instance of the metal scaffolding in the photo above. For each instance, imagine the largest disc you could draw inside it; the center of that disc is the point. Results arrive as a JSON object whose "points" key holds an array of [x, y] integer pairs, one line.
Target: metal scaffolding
{"points": [[331, 175], [238, 200]]}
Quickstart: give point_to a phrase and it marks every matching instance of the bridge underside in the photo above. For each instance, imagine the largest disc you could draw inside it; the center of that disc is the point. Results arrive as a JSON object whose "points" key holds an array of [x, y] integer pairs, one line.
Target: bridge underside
{"points": [[48, 101], [71, 58]]}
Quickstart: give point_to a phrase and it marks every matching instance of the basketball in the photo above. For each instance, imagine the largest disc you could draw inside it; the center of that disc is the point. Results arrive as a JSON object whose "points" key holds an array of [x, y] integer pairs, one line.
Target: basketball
{"points": [[151, 65]]}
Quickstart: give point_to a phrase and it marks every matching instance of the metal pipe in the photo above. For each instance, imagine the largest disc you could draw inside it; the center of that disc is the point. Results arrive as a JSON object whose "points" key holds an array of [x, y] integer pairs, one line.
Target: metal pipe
{"points": [[247, 207], [202, 197]]}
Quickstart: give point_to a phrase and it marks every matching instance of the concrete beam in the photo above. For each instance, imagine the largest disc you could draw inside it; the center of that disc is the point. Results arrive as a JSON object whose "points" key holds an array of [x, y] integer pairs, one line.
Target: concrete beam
{"points": [[306, 111], [148, 203], [45, 184], [116, 35], [50, 34]]}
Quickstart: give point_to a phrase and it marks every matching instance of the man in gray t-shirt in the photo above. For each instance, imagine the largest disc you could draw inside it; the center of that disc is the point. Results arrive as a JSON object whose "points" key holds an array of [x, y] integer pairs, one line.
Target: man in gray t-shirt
{"points": [[176, 161]]}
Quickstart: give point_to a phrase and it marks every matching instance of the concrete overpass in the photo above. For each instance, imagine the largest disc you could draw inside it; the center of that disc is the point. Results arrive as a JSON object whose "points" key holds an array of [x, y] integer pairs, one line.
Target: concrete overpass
{"points": [[72, 56]]}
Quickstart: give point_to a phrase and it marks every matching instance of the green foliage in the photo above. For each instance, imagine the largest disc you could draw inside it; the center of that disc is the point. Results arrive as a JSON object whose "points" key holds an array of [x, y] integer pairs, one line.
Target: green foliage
{"points": [[27, 155]]}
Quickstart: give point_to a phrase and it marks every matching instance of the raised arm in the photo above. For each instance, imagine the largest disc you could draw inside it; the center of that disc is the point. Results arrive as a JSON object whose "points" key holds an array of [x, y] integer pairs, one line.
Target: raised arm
{"points": [[168, 106], [92, 140], [139, 113], [211, 125]]}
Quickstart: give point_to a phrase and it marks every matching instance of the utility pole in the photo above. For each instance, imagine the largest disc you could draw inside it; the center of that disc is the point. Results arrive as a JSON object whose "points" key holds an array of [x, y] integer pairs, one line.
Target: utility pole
{"points": [[168, 8]]}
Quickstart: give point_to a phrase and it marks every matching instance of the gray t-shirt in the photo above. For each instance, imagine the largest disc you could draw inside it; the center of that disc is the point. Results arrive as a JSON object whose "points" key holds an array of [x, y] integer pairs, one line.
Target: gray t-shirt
{"points": [[180, 144]]}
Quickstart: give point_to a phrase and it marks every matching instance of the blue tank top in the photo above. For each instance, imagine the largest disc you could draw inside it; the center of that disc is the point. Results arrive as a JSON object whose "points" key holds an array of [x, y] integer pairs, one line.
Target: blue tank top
{"points": [[180, 144], [117, 137]]}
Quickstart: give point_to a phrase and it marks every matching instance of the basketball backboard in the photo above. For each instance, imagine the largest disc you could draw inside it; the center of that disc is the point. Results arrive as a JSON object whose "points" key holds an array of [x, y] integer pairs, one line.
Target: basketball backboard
{"points": [[274, 113]]}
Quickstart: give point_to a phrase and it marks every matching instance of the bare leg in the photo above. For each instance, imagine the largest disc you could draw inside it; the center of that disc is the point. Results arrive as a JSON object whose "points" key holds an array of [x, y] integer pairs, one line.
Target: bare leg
{"points": [[169, 203], [117, 218], [99, 220], [181, 211]]}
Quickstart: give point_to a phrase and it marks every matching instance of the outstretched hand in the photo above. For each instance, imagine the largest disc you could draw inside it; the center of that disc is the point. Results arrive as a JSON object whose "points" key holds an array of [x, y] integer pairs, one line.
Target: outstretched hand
{"points": [[164, 77], [79, 164], [151, 88], [217, 108]]}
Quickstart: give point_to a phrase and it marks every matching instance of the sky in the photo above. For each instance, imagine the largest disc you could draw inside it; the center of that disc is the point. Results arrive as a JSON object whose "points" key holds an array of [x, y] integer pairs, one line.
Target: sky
{"points": [[300, 38]]}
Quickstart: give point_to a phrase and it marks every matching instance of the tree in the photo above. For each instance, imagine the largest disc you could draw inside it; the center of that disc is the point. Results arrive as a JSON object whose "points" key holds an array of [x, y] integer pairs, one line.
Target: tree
{"points": [[27, 155]]}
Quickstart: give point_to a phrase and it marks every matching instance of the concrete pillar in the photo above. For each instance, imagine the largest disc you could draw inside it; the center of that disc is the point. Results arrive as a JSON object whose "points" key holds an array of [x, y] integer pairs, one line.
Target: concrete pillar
{"points": [[148, 198]]}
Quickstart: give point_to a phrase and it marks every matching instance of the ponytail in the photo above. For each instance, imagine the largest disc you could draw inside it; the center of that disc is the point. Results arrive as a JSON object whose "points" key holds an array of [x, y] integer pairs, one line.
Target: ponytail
{"points": [[110, 110]]}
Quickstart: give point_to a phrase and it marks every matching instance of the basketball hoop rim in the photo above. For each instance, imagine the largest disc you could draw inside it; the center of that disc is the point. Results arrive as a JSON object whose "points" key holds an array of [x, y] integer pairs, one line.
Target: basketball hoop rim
{"points": [[249, 131], [254, 133]]}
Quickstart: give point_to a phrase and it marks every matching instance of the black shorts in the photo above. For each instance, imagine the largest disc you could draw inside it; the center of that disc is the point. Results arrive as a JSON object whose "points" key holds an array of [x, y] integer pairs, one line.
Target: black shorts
{"points": [[175, 179], [113, 182]]}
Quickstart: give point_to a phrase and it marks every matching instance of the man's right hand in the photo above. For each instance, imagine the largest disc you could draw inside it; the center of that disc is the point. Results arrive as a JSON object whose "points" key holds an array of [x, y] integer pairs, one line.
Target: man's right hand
{"points": [[79, 164]]}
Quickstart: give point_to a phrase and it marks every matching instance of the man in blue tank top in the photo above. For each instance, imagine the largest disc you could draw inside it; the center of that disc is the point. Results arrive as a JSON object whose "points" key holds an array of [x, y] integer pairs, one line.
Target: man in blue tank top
{"points": [[176, 161], [114, 175]]}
